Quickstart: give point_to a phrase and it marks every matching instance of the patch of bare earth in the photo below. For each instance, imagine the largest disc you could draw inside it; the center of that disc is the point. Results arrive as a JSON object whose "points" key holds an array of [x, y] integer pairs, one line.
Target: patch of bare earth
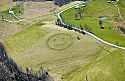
{"points": [[120, 26], [38, 9]]}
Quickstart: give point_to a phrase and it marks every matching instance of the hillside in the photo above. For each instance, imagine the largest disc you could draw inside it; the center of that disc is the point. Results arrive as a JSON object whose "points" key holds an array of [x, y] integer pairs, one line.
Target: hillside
{"points": [[105, 67], [90, 20], [67, 55], [122, 7], [4, 4]]}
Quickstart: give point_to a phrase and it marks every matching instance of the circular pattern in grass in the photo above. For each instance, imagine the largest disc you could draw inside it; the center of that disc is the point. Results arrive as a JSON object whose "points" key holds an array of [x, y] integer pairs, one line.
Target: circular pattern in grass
{"points": [[60, 41]]}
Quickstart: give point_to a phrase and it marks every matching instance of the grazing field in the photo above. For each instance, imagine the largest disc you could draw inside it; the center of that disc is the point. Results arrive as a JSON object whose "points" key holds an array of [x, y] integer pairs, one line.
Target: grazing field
{"points": [[108, 31], [8, 29], [106, 67], [4, 4], [18, 11], [25, 39], [38, 9], [37, 53], [60, 41], [83, 57], [68, 55], [122, 7]]}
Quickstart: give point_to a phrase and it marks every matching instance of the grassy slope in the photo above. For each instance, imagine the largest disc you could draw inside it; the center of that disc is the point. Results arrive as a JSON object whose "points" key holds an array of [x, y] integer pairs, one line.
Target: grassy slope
{"points": [[92, 13], [106, 67], [111, 67], [122, 7], [85, 56], [34, 51], [4, 4], [18, 11], [25, 39]]}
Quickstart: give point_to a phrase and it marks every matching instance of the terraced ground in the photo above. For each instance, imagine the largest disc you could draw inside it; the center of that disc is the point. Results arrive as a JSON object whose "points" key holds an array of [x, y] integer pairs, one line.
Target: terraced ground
{"points": [[90, 20], [68, 55]]}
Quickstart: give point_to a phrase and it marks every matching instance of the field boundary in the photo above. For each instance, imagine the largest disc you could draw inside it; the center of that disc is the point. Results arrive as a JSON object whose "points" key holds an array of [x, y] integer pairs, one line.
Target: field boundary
{"points": [[88, 33]]}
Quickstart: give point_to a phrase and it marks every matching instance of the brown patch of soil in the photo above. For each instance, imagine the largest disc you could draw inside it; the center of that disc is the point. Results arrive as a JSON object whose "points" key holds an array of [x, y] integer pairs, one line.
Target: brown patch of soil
{"points": [[120, 25]]}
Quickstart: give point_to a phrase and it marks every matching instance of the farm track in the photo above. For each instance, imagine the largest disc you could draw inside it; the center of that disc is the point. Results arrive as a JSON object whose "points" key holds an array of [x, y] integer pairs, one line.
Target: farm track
{"points": [[88, 33]]}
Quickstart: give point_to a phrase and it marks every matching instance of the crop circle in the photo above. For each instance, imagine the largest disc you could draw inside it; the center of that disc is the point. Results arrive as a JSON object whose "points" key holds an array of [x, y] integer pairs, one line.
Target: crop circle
{"points": [[60, 41]]}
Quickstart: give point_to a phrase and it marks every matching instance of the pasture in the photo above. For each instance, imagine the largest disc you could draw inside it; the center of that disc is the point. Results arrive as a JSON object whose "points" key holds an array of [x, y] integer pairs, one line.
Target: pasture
{"points": [[107, 29], [68, 55], [84, 57]]}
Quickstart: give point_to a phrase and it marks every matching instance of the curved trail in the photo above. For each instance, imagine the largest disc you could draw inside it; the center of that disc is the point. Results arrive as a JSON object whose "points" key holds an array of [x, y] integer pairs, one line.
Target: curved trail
{"points": [[12, 21], [19, 20], [88, 33]]}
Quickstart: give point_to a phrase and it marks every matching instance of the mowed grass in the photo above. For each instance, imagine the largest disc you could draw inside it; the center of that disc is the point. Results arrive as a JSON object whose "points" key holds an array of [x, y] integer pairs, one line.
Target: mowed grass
{"points": [[4, 4], [107, 66], [91, 13], [122, 7], [29, 48], [84, 56], [25, 39]]}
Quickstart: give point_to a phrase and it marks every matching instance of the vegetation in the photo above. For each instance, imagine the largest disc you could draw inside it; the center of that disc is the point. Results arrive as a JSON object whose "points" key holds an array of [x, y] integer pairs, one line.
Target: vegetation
{"points": [[122, 7], [18, 11], [84, 59], [4, 5], [9, 70], [25, 39], [92, 13], [104, 67], [60, 41]]}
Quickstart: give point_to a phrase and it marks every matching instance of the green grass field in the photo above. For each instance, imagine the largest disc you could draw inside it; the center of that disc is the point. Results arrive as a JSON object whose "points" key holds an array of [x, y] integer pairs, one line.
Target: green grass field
{"points": [[92, 12], [85, 56], [106, 67], [31, 45], [60, 51], [122, 7], [25, 39]]}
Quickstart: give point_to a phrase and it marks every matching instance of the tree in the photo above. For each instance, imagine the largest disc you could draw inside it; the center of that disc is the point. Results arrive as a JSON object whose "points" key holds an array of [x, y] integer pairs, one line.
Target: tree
{"points": [[80, 10], [61, 2], [20, 6]]}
